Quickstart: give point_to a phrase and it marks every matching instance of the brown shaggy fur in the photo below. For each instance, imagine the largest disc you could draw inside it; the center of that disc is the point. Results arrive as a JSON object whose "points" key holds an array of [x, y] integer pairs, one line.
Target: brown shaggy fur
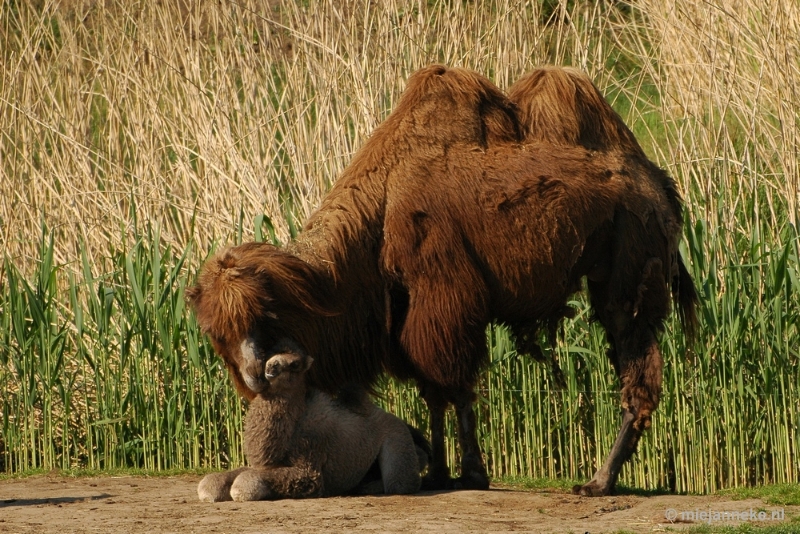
{"points": [[466, 207], [561, 106], [302, 443]]}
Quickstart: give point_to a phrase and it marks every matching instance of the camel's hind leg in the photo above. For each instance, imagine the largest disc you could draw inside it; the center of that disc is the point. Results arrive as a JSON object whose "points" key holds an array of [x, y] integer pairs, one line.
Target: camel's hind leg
{"points": [[631, 327], [641, 387]]}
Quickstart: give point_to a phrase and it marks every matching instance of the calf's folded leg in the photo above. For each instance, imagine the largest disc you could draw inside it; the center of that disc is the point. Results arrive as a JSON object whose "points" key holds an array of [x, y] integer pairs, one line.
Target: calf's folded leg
{"points": [[400, 465], [270, 483], [216, 487]]}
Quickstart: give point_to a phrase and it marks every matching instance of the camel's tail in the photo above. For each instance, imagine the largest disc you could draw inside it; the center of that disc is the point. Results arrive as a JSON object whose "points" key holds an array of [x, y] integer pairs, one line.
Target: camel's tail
{"points": [[685, 299]]}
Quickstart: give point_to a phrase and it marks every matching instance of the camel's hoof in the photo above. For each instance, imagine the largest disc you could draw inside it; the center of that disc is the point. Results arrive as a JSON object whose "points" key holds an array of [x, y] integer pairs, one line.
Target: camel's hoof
{"points": [[436, 483], [591, 489], [472, 481]]}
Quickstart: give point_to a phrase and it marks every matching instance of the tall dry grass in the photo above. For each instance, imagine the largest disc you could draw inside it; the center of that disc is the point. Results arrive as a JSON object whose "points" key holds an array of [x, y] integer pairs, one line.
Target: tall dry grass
{"points": [[728, 72], [194, 114], [141, 134]]}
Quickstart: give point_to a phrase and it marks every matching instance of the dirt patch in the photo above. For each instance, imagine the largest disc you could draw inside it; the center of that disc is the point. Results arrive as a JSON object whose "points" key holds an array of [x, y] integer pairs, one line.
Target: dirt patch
{"points": [[141, 504]]}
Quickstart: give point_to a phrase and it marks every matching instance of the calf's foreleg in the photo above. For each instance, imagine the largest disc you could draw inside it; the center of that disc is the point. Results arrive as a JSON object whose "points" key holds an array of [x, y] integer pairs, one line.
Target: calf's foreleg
{"points": [[270, 483]]}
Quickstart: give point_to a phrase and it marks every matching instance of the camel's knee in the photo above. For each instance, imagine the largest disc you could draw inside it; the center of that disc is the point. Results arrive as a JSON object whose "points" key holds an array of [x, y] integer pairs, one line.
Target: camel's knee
{"points": [[635, 354]]}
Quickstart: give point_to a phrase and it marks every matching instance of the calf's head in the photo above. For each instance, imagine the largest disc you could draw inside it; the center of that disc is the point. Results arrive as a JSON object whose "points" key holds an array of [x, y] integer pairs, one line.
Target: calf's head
{"points": [[285, 371]]}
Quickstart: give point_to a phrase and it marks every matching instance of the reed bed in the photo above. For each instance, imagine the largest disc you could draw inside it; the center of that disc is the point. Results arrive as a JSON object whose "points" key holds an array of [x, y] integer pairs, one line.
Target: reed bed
{"points": [[135, 137]]}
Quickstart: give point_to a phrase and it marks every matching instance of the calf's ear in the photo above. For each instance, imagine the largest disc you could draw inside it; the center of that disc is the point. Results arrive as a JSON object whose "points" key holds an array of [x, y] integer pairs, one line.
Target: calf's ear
{"points": [[309, 361]]}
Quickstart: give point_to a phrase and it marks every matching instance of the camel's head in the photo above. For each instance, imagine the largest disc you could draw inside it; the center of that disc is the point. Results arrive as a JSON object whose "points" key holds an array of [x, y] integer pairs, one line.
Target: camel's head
{"points": [[255, 302]]}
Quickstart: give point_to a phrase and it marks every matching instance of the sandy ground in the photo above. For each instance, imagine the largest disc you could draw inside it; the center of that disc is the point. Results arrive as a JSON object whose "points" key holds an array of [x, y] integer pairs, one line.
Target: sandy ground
{"points": [[144, 504]]}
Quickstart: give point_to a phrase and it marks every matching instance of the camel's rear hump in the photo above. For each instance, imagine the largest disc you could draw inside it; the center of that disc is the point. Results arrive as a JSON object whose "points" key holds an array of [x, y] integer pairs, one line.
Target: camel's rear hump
{"points": [[562, 106]]}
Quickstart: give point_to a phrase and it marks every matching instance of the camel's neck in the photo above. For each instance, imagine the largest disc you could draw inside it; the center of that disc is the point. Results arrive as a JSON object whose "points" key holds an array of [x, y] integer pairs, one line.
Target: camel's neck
{"points": [[270, 424], [349, 223], [341, 242]]}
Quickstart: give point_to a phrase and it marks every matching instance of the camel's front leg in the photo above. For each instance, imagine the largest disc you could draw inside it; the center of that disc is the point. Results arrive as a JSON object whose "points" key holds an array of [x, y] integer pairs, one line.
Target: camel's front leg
{"points": [[473, 472], [216, 487], [270, 483], [438, 476]]}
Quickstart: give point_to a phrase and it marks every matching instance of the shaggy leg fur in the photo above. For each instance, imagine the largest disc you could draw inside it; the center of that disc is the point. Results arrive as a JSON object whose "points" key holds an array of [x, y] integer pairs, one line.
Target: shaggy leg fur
{"points": [[640, 395], [638, 362], [216, 487]]}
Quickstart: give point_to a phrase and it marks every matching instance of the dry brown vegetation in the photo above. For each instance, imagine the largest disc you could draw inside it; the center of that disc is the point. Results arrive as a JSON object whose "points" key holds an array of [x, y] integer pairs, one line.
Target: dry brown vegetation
{"points": [[194, 115]]}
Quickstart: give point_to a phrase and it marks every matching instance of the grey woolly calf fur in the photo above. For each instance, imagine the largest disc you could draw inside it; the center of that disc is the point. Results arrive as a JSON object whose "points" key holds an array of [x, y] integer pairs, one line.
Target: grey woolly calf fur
{"points": [[302, 442]]}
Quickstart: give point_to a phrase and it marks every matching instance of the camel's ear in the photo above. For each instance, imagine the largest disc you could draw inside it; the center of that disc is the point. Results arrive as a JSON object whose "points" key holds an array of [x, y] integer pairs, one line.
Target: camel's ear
{"points": [[309, 361]]}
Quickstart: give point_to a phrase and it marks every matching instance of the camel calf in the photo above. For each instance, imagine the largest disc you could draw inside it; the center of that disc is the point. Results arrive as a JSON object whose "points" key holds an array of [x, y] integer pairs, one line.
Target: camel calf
{"points": [[302, 442]]}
